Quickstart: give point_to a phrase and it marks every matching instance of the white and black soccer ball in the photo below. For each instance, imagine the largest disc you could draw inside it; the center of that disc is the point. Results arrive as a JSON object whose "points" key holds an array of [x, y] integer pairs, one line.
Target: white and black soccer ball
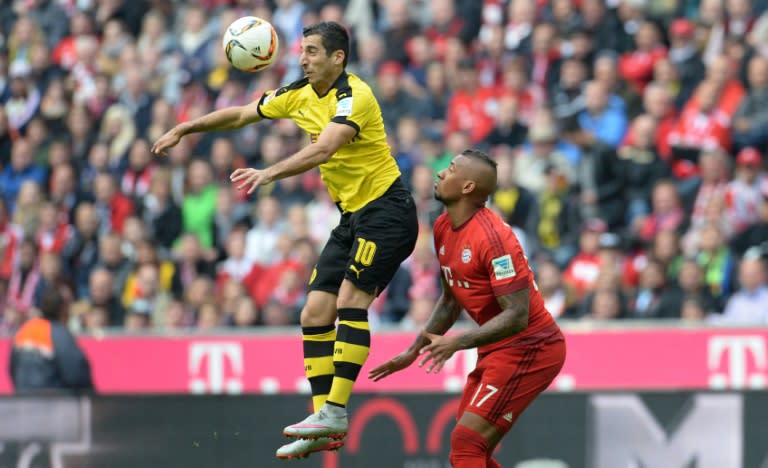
{"points": [[250, 44]]}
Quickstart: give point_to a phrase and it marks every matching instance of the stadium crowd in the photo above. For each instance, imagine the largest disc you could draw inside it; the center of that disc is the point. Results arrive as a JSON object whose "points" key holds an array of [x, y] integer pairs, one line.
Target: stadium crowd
{"points": [[630, 137]]}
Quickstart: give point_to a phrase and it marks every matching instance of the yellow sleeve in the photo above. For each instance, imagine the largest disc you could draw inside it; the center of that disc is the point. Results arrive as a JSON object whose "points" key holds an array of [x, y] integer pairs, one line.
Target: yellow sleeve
{"points": [[355, 111], [272, 105], [277, 104]]}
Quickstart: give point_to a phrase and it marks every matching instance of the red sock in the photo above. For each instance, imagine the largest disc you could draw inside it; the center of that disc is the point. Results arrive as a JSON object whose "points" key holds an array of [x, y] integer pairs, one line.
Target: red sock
{"points": [[469, 449], [491, 463]]}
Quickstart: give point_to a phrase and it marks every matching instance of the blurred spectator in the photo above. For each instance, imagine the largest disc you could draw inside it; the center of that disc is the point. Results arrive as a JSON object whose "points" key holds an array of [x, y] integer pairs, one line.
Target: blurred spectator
{"points": [[599, 122], [757, 233], [513, 201], [684, 55], [160, 214], [112, 206], [112, 258], [751, 118], [643, 167], [137, 177], [262, 237], [557, 300], [22, 168], [24, 279], [582, 271], [742, 197], [507, 130], [666, 212], [24, 99], [45, 355], [749, 305], [101, 292], [636, 66], [396, 102], [646, 301], [80, 253], [536, 160], [28, 204], [468, 107], [199, 207], [191, 262], [717, 260]]}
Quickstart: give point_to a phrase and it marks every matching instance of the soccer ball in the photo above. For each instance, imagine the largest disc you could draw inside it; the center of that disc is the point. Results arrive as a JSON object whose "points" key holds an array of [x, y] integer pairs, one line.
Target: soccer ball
{"points": [[250, 44]]}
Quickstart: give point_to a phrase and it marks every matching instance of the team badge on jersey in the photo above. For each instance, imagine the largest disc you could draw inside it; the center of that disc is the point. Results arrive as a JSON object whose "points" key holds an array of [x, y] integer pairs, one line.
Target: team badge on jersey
{"points": [[344, 107], [466, 255], [503, 267]]}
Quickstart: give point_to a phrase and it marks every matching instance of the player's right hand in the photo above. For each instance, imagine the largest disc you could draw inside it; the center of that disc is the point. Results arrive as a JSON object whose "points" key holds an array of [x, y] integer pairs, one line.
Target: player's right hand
{"points": [[169, 140], [397, 363]]}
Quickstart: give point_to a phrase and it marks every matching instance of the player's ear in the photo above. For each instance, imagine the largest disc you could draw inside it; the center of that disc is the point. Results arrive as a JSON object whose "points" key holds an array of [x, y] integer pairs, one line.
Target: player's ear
{"points": [[338, 57], [469, 187]]}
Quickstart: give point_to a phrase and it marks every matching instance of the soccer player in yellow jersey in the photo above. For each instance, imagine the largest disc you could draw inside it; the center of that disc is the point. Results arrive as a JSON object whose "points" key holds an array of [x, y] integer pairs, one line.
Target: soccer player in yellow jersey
{"points": [[376, 233]]}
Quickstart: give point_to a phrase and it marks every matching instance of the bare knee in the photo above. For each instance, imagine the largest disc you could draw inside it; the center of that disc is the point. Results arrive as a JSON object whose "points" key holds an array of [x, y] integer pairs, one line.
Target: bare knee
{"points": [[350, 296], [319, 310]]}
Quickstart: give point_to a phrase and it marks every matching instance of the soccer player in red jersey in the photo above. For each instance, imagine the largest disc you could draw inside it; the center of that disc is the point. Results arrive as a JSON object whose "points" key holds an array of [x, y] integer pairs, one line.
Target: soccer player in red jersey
{"points": [[520, 347]]}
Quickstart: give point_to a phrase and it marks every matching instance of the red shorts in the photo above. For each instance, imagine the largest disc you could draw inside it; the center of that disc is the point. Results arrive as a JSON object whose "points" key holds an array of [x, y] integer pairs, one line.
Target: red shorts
{"points": [[507, 380]]}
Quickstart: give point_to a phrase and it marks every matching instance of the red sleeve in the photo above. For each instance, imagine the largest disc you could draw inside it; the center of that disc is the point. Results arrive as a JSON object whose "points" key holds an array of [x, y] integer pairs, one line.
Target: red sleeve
{"points": [[503, 258]]}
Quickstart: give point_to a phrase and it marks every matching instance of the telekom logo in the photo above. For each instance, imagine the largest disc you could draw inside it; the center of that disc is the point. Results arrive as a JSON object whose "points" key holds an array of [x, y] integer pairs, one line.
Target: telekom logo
{"points": [[735, 371], [216, 367]]}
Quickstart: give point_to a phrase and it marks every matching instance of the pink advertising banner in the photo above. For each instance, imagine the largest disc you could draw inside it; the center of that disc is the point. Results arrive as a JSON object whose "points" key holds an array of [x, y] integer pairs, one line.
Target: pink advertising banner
{"points": [[627, 359]]}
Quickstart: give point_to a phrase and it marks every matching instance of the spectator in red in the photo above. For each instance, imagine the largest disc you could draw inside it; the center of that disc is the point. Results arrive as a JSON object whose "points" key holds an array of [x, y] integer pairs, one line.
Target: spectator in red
{"points": [[702, 125], [236, 265], [113, 206], [137, 177], [53, 230], [582, 271], [468, 108], [446, 24], [637, 66], [516, 84], [666, 212], [10, 239], [724, 72]]}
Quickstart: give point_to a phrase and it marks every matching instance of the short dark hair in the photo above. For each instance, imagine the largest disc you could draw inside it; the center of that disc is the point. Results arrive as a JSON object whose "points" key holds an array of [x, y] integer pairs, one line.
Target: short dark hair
{"points": [[334, 37], [52, 303], [480, 156]]}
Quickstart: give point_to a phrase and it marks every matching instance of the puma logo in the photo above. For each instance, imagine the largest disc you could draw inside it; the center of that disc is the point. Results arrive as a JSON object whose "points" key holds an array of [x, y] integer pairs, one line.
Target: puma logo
{"points": [[356, 271]]}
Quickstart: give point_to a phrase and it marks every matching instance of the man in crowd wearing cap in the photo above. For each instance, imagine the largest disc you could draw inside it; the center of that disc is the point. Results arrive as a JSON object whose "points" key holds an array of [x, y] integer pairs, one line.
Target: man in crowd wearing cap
{"points": [[684, 54], [742, 197]]}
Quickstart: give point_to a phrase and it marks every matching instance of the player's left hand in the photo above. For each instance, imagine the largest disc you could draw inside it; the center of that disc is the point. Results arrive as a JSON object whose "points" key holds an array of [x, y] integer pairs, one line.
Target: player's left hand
{"points": [[439, 350], [250, 178]]}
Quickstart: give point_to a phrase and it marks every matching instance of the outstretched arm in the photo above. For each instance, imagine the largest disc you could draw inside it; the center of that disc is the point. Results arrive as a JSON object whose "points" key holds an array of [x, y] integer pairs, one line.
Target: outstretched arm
{"points": [[333, 137], [511, 320], [229, 118], [444, 315]]}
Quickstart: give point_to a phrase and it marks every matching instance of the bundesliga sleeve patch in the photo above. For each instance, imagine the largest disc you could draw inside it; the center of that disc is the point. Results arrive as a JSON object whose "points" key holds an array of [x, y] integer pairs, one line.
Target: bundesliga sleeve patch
{"points": [[503, 267], [344, 107]]}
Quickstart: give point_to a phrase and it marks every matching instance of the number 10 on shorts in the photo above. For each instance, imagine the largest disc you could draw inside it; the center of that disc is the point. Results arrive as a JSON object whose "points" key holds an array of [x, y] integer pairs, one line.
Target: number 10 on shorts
{"points": [[365, 251], [487, 390]]}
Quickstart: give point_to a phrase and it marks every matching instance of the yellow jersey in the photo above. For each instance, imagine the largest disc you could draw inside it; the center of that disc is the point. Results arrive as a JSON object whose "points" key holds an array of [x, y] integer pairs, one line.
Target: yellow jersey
{"points": [[361, 170]]}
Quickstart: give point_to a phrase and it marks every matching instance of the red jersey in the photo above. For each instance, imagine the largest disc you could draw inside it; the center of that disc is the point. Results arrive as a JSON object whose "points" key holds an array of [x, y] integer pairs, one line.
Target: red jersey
{"points": [[481, 260]]}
